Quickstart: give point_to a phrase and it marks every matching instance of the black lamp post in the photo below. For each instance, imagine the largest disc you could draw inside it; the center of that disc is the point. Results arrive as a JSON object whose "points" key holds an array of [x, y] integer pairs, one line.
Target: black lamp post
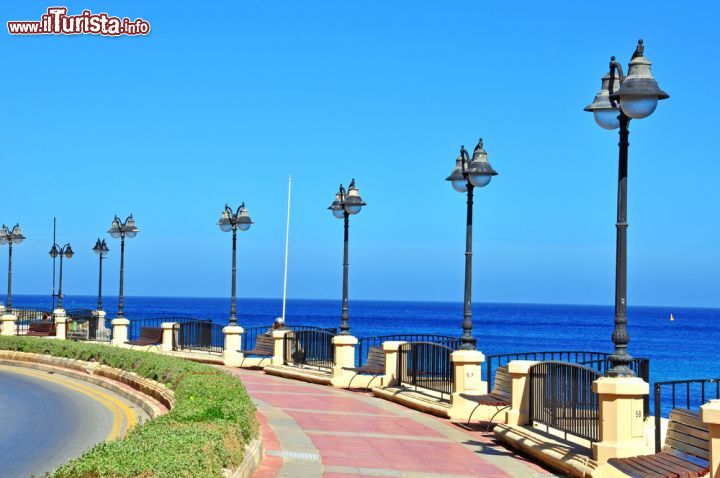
{"points": [[232, 221], [467, 175], [122, 229], [10, 237], [56, 251], [342, 207], [638, 94], [101, 250]]}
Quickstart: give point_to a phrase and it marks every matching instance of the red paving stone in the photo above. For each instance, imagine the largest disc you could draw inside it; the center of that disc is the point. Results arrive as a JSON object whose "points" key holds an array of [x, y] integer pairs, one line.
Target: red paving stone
{"points": [[328, 402], [270, 465], [362, 424]]}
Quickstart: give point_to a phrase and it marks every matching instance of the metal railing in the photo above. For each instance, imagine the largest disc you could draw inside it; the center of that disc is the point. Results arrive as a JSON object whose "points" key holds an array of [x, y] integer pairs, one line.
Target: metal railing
{"points": [[198, 335], [426, 365], [494, 361], [83, 325], [561, 397], [364, 344], [640, 366], [309, 348], [25, 315], [690, 394], [250, 334], [136, 325]]}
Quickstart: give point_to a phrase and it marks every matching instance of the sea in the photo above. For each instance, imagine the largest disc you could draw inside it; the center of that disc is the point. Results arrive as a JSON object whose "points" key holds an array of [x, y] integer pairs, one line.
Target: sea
{"points": [[683, 348]]}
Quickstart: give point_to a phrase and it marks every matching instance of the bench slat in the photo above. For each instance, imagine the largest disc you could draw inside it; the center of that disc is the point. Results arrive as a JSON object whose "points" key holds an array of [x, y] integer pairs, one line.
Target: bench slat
{"points": [[686, 430], [672, 445]]}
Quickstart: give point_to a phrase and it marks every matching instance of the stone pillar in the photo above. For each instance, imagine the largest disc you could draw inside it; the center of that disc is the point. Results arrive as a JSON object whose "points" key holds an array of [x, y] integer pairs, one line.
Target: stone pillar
{"points": [[168, 336], [120, 332], [622, 431], [467, 365], [7, 322], [344, 346], [710, 414], [391, 349], [232, 355], [519, 412], [102, 331], [278, 338], [61, 322]]}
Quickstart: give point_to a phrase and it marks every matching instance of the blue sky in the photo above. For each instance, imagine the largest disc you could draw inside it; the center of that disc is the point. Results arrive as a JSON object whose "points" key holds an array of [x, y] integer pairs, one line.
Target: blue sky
{"points": [[221, 103]]}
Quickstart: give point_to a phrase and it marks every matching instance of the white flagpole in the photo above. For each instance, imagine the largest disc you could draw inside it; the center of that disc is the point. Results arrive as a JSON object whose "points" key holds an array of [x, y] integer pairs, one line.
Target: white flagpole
{"points": [[287, 238]]}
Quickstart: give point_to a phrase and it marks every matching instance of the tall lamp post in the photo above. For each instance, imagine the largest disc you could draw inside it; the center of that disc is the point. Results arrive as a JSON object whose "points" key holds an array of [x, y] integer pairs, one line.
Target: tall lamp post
{"points": [[345, 204], [637, 95], [101, 250], [10, 237], [232, 221], [465, 177], [122, 230], [57, 251]]}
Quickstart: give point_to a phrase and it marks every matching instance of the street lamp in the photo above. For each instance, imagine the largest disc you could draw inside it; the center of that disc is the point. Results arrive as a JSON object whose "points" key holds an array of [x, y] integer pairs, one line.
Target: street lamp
{"points": [[342, 207], [56, 251], [101, 250], [10, 237], [122, 229], [232, 221], [466, 176], [638, 94]]}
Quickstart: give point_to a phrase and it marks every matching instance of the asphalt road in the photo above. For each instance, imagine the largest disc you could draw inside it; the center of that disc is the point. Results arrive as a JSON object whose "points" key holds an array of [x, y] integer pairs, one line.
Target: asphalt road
{"points": [[46, 419]]}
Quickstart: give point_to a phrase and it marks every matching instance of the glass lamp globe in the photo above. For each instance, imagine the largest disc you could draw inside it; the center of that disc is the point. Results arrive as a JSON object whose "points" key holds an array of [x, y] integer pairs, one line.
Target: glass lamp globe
{"points": [[459, 185], [243, 226], [225, 225], [638, 106], [338, 213], [115, 233], [131, 232], [53, 252], [353, 208], [607, 118], [480, 180], [68, 252]]}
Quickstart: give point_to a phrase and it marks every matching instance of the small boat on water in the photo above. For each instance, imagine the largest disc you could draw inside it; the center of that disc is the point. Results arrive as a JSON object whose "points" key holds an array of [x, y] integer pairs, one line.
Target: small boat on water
{"points": [[672, 318]]}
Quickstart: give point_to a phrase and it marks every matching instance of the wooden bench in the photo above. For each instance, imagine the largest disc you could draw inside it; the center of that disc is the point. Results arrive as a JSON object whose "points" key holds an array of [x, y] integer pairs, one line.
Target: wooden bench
{"points": [[41, 328], [149, 336], [685, 454], [264, 347], [500, 396], [374, 365]]}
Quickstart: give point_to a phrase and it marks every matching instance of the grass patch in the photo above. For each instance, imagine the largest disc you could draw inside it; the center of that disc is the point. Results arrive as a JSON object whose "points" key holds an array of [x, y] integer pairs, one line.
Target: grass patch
{"points": [[206, 431]]}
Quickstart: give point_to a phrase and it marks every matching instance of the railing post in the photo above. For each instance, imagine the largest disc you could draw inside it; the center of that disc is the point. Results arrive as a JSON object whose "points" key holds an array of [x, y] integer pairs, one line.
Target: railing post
{"points": [[168, 336], [120, 331], [344, 347], [278, 336], [100, 331], [710, 414], [467, 379], [232, 355], [61, 322], [391, 349], [622, 422], [519, 411], [7, 322]]}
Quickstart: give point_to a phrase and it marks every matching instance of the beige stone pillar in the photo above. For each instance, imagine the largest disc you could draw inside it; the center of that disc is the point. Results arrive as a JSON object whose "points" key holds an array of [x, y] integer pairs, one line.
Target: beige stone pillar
{"points": [[467, 368], [168, 334], [102, 331], [344, 346], [519, 411], [278, 350], [622, 431], [7, 322], [710, 414], [61, 323], [391, 362], [232, 356], [120, 331]]}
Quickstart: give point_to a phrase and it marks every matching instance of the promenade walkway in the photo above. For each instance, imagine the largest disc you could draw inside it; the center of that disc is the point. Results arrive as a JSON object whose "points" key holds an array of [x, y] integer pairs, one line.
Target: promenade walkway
{"points": [[313, 430]]}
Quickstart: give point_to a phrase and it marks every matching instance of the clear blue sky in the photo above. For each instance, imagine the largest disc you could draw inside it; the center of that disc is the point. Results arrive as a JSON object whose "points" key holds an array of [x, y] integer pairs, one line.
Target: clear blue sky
{"points": [[225, 99]]}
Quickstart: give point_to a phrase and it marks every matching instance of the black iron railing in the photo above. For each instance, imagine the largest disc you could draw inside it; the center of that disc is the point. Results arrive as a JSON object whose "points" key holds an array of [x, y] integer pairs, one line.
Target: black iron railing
{"points": [[198, 335], [250, 334], [364, 344], [561, 397], [25, 315], [83, 325], [640, 366], [494, 361], [426, 365], [690, 394], [312, 348], [136, 325]]}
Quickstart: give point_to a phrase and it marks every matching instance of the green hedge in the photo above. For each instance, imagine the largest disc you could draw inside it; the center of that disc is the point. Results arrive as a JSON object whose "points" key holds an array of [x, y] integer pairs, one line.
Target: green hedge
{"points": [[207, 429]]}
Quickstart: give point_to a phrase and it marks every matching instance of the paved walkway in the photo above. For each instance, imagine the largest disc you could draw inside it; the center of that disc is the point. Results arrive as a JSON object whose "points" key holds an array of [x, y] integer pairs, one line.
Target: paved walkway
{"points": [[313, 430]]}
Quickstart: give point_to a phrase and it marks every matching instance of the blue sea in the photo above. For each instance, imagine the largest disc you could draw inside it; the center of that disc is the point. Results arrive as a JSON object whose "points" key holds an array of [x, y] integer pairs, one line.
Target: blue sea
{"points": [[680, 349]]}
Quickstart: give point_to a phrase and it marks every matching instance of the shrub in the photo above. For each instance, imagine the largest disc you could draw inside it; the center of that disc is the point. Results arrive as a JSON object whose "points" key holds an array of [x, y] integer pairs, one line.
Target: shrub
{"points": [[206, 431]]}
